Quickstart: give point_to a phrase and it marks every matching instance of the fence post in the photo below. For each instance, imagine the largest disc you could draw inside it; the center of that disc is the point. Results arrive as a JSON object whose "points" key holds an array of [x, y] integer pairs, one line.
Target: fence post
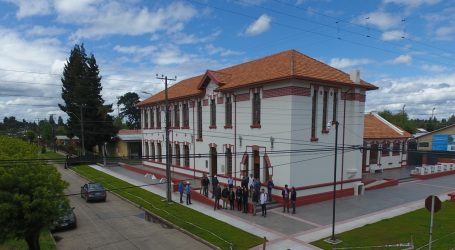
{"points": [[264, 244]]}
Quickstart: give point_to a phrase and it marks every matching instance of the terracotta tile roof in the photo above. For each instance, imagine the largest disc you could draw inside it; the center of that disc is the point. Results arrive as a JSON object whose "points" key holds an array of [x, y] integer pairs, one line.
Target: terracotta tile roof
{"points": [[129, 131], [284, 65], [375, 127]]}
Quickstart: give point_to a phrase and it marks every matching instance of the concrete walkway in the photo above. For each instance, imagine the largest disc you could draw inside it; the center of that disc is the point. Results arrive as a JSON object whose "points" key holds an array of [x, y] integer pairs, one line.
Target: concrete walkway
{"points": [[313, 222]]}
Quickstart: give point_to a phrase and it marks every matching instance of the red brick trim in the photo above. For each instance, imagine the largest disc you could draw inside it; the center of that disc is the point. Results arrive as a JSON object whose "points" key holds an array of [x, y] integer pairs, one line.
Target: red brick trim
{"points": [[191, 104], [220, 100], [314, 139], [353, 97], [212, 127], [320, 185], [242, 97], [325, 131], [434, 175], [199, 139], [185, 127], [285, 91], [255, 126], [205, 102], [314, 198], [227, 126]]}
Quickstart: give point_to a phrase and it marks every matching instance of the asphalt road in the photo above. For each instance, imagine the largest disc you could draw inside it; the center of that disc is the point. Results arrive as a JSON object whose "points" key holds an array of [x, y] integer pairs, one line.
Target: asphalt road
{"points": [[115, 224]]}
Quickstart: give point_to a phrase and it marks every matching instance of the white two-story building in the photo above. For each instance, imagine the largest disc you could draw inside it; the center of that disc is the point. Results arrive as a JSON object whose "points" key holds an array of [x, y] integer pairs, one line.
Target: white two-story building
{"points": [[270, 118]]}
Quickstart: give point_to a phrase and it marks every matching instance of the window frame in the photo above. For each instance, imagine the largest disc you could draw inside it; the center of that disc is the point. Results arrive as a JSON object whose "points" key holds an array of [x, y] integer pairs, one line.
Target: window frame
{"points": [[158, 117], [228, 162], [228, 112], [325, 105], [212, 113], [177, 155], [186, 116], [314, 114], [176, 116], [256, 110], [186, 153], [199, 120]]}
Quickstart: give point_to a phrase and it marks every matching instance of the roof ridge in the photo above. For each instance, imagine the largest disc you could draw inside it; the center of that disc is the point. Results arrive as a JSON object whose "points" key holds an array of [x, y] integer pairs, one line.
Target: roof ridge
{"points": [[391, 125]]}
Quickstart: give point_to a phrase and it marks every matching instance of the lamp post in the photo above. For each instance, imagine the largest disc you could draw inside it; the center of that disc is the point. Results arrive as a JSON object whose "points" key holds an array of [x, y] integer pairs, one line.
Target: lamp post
{"points": [[332, 240]]}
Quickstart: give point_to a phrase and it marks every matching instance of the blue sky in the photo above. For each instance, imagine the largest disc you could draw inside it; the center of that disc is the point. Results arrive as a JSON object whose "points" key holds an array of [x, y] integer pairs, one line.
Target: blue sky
{"points": [[403, 46]]}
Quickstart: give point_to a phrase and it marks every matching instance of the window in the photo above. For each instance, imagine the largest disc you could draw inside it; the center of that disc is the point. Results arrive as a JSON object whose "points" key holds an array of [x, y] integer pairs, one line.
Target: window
{"points": [[335, 105], [199, 120], [228, 162], [176, 116], [143, 118], [212, 113], [146, 118], [256, 109], [186, 116], [158, 117], [152, 119], [374, 154], [403, 148], [146, 150], [313, 114], [186, 153], [177, 154], [396, 148], [169, 153], [159, 152], [152, 146], [324, 111], [385, 149], [228, 112], [424, 144]]}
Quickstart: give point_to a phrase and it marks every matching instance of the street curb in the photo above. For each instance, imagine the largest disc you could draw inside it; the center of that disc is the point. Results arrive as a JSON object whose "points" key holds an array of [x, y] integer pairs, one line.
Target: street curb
{"points": [[169, 224]]}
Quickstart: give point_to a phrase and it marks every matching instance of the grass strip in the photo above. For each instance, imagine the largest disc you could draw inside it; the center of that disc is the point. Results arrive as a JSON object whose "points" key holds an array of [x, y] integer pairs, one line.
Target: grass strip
{"points": [[193, 221], [401, 229], [46, 243]]}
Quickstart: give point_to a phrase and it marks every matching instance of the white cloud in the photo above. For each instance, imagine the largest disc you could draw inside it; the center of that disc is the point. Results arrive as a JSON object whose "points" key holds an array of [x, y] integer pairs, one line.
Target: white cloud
{"points": [[259, 26], [212, 50], [29, 8], [115, 18], [393, 35], [402, 59], [348, 62], [445, 32], [420, 94], [44, 31], [434, 68], [380, 19], [412, 3], [147, 50], [66, 7]]}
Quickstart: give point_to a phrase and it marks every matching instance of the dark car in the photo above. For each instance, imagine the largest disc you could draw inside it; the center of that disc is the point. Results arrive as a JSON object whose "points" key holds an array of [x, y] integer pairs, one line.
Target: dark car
{"points": [[66, 221], [93, 192]]}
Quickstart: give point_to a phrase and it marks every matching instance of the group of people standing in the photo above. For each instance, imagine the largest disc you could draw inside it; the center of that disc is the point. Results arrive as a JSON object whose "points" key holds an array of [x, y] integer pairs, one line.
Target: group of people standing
{"points": [[231, 196]]}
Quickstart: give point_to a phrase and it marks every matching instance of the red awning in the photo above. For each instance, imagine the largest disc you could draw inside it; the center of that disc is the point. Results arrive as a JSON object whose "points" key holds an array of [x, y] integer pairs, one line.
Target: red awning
{"points": [[244, 159]]}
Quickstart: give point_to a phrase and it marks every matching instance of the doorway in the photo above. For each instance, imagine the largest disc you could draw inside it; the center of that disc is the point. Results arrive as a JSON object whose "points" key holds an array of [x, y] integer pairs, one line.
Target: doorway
{"points": [[256, 164], [213, 161]]}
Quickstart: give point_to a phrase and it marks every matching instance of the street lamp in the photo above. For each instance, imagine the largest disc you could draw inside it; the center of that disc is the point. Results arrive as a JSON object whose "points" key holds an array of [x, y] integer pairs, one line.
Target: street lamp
{"points": [[332, 240]]}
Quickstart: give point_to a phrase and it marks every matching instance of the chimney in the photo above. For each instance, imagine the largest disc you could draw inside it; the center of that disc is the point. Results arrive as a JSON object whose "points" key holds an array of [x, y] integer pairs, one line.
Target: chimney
{"points": [[355, 76]]}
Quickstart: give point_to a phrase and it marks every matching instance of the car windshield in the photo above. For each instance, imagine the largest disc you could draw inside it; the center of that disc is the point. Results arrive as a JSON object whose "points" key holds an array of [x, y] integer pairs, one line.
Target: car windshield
{"points": [[95, 187]]}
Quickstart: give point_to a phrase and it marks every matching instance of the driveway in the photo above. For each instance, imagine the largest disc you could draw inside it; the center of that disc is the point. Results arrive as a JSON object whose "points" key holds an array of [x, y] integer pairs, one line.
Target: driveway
{"points": [[115, 224]]}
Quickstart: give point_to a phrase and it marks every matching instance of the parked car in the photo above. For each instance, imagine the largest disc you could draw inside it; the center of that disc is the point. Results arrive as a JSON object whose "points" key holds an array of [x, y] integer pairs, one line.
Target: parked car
{"points": [[66, 221], [93, 192]]}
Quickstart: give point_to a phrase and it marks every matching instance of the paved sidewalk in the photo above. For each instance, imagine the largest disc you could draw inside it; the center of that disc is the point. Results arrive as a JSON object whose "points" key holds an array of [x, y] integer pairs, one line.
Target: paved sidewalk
{"points": [[313, 222]]}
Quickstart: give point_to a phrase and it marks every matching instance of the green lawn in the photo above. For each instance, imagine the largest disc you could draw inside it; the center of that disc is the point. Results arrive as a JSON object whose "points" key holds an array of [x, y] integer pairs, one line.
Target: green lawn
{"points": [[401, 229], [52, 155], [195, 222], [46, 243]]}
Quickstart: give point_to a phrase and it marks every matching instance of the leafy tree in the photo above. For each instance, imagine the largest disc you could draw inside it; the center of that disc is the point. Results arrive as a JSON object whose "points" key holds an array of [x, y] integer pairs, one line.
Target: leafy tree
{"points": [[51, 120], [30, 136], [118, 123], [31, 193], [400, 119], [129, 109], [81, 92]]}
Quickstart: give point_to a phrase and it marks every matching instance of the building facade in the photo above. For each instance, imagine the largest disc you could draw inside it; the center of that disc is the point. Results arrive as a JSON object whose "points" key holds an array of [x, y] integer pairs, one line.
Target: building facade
{"points": [[270, 118], [385, 145]]}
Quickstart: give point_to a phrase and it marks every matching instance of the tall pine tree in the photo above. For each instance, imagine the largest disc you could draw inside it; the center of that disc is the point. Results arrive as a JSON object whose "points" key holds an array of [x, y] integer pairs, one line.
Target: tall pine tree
{"points": [[81, 92]]}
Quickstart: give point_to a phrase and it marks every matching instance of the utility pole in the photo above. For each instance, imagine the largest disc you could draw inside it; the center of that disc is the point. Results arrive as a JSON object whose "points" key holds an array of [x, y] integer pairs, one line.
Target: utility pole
{"points": [[168, 156]]}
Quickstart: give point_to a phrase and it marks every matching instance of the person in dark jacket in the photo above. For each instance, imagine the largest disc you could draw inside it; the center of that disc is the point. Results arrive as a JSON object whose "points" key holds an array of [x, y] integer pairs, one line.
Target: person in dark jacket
{"points": [[245, 200], [270, 185], [255, 200], [239, 197], [217, 192], [214, 185], [205, 186], [293, 199], [285, 193], [188, 193], [231, 198], [225, 196], [181, 187]]}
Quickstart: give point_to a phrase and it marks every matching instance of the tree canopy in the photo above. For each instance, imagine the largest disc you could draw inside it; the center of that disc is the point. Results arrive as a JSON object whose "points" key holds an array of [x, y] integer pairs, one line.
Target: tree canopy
{"points": [[81, 92], [129, 109], [31, 192]]}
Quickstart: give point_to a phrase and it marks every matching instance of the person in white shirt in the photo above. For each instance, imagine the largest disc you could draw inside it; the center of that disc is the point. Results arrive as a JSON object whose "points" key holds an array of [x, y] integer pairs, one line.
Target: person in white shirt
{"points": [[263, 200]]}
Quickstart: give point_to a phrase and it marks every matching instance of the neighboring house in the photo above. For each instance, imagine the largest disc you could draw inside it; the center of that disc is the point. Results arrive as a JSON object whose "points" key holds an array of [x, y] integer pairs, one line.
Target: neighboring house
{"points": [[442, 139], [268, 118], [128, 143], [63, 140], [385, 144]]}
